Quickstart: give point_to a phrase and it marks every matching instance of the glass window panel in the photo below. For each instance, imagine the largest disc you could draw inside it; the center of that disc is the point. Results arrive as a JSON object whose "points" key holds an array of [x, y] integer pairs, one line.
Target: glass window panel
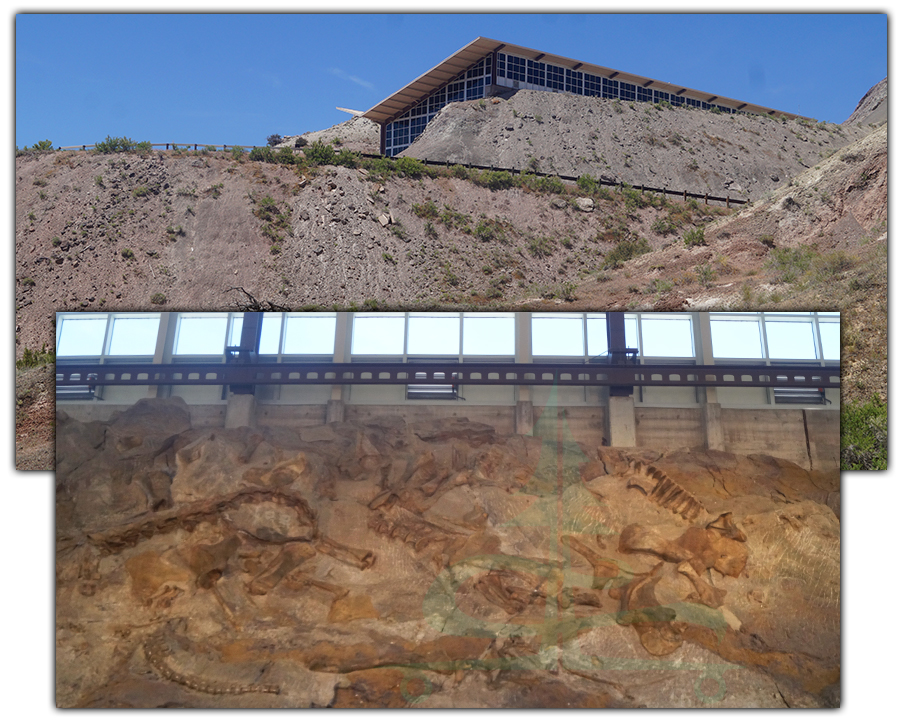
{"points": [[201, 335], [81, 336], [271, 333], [309, 334], [631, 334], [557, 336], [735, 339], [791, 340], [831, 339], [667, 337], [237, 326], [489, 336], [378, 335], [597, 338], [434, 334], [133, 335]]}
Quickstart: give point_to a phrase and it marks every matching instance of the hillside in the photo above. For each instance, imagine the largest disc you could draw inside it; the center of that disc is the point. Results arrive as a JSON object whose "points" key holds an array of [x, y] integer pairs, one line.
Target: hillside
{"points": [[183, 230], [740, 155]]}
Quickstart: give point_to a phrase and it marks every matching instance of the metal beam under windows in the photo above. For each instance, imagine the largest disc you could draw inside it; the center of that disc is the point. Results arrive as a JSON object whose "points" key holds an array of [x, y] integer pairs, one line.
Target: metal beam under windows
{"points": [[488, 373]]}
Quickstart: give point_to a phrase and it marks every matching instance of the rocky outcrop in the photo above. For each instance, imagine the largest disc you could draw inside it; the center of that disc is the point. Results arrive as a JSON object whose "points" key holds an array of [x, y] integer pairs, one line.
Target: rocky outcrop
{"points": [[873, 107], [441, 565]]}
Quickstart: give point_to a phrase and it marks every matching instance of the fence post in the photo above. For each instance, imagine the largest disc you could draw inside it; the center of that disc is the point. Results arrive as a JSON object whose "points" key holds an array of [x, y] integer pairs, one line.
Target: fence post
{"points": [[685, 196], [727, 202], [706, 199], [167, 147]]}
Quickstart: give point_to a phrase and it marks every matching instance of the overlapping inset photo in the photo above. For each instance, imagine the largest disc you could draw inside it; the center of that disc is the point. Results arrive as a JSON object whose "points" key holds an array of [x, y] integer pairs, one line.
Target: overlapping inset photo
{"points": [[448, 509], [514, 164]]}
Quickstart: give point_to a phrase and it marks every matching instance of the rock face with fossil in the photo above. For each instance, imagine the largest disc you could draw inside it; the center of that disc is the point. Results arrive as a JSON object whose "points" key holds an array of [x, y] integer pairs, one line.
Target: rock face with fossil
{"points": [[377, 564]]}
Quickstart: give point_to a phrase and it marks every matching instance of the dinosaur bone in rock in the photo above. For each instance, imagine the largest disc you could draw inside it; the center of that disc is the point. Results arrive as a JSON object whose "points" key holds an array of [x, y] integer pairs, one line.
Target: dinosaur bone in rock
{"points": [[362, 559], [604, 569], [157, 652], [289, 558], [659, 633], [719, 546], [706, 593]]}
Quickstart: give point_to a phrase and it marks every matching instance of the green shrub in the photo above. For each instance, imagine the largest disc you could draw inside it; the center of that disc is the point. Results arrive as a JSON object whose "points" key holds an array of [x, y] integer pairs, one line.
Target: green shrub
{"points": [[864, 435], [140, 191], [346, 158], [487, 230], [119, 144], [789, 264], [459, 171], [540, 247], [410, 167], [28, 282], [318, 153], [535, 183], [32, 359], [696, 236], [158, 299], [128, 253], [237, 153], [43, 146], [427, 210], [625, 250], [262, 154], [275, 249], [589, 185], [494, 180], [379, 169], [273, 140], [285, 156], [767, 240], [705, 274], [663, 226]]}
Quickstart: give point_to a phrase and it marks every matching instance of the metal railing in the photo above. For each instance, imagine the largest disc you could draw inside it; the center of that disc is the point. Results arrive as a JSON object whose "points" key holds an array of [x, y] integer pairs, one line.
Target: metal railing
{"points": [[580, 375]]}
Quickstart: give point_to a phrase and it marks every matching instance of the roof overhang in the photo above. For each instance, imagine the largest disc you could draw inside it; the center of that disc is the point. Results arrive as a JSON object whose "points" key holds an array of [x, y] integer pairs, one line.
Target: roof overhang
{"points": [[398, 102]]}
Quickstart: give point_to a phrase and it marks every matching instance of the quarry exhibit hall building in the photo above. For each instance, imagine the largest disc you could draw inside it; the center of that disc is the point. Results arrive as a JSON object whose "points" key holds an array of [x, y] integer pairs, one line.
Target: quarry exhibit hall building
{"points": [[744, 383], [487, 67]]}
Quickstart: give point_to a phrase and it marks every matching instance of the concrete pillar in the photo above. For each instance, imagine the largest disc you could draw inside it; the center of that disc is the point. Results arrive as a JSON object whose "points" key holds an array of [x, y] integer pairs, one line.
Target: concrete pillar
{"points": [[712, 425], [523, 353], [334, 412], [621, 422], [524, 418], [705, 355], [342, 335], [240, 411], [164, 335]]}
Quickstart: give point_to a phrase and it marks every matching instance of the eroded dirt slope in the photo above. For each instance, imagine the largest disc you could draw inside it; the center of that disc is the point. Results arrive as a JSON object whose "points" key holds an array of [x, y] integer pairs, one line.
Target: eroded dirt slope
{"points": [[637, 143]]}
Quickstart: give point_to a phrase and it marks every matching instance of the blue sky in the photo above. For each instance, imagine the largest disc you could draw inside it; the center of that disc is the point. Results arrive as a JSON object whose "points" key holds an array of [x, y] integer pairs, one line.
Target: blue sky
{"points": [[235, 79]]}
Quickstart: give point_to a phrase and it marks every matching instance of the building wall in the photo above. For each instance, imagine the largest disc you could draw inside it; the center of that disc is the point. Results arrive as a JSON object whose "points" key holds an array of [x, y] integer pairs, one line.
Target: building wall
{"points": [[780, 433], [809, 438], [669, 428]]}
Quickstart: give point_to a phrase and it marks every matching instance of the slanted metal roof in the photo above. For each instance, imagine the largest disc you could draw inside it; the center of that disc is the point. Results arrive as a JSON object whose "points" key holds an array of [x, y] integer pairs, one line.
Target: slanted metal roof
{"points": [[398, 102]]}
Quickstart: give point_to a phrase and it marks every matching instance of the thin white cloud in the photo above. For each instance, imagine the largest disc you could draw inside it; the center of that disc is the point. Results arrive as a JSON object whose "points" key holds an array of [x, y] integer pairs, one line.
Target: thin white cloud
{"points": [[347, 77]]}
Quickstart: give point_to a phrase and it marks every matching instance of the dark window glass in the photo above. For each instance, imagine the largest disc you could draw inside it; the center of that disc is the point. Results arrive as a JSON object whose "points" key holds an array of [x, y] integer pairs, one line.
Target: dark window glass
{"points": [[610, 89], [574, 82]]}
